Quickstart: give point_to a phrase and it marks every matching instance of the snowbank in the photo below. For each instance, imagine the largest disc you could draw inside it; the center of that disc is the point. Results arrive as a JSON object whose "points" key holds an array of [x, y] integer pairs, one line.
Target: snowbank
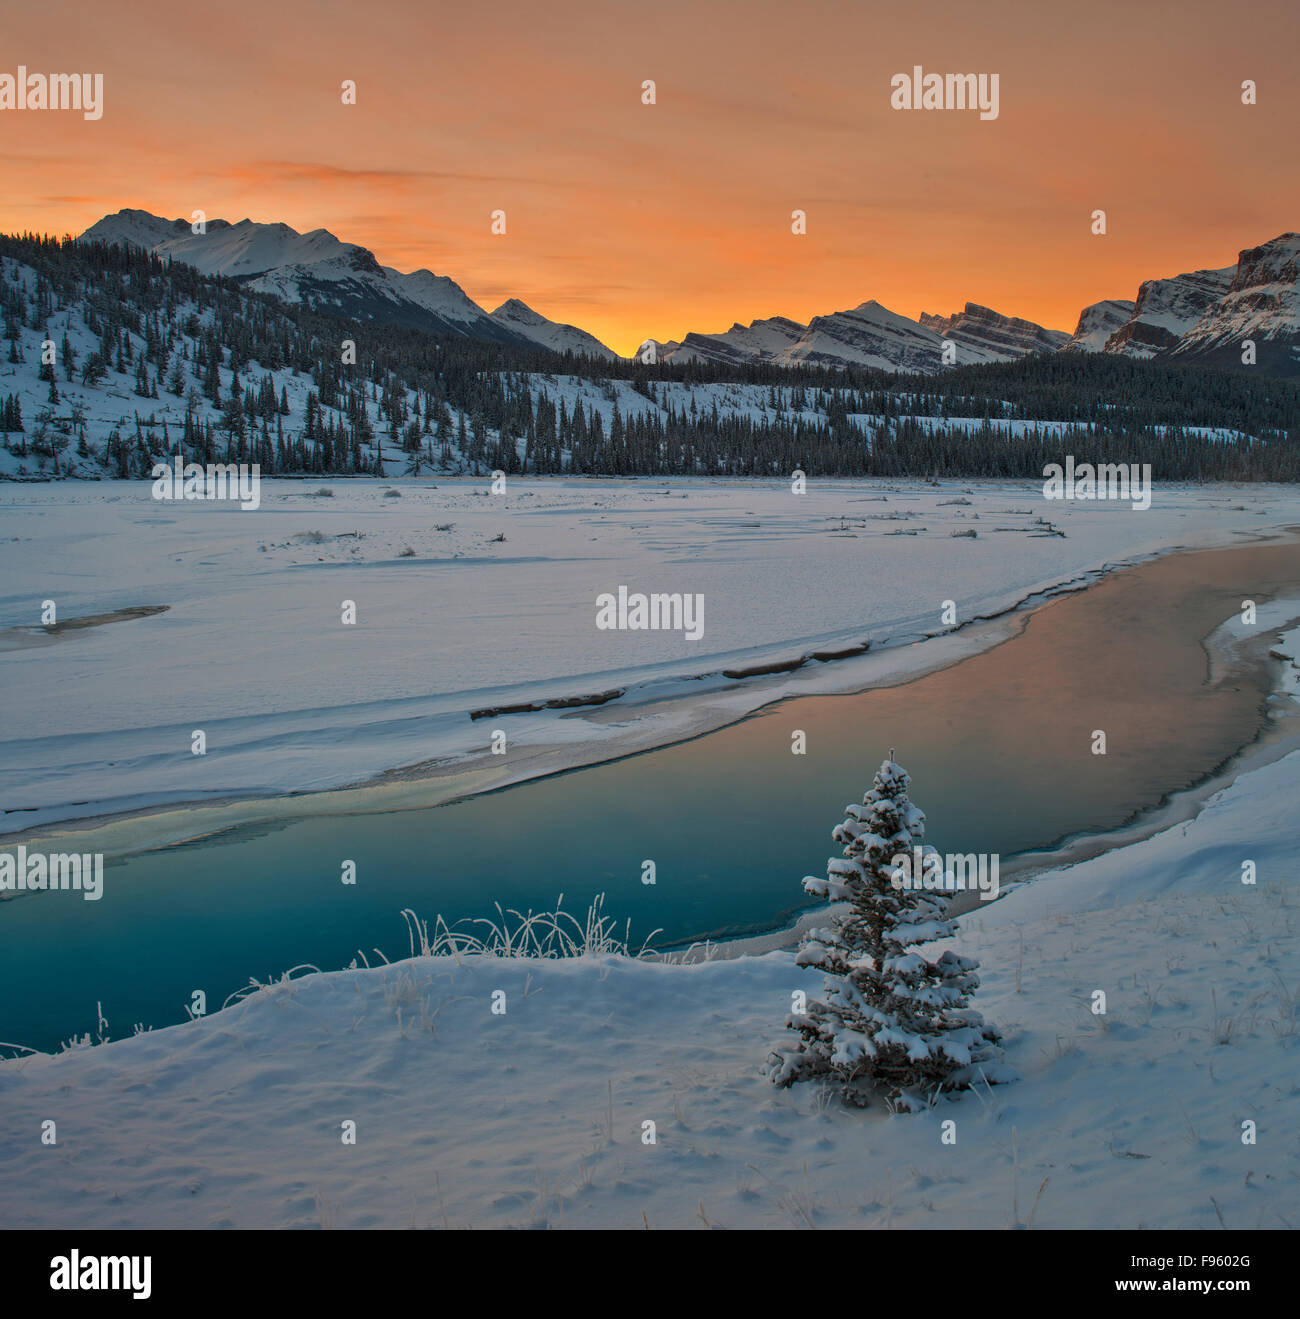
{"points": [[252, 648]]}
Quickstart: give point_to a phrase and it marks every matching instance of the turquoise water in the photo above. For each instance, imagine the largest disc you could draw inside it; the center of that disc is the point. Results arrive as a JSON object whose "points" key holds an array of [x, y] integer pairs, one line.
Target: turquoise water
{"points": [[998, 748], [732, 821], [731, 830]]}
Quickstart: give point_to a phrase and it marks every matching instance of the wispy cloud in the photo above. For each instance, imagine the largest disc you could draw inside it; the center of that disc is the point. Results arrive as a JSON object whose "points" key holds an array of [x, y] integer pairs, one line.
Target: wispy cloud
{"points": [[265, 172]]}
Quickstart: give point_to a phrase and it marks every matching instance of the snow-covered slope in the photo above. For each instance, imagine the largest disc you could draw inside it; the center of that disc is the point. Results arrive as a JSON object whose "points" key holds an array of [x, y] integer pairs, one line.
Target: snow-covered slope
{"points": [[1207, 315], [760, 341], [1097, 323], [521, 319], [872, 336], [868, 335], [522, 607], [1262, 304], [1166, 309], [88, 412], [313, 268], [133, 228], [983, 330]]}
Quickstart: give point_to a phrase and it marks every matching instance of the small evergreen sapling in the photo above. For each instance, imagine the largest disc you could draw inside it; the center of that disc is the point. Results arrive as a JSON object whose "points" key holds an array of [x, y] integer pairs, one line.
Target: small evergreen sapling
{"points": [[891, 1020]]}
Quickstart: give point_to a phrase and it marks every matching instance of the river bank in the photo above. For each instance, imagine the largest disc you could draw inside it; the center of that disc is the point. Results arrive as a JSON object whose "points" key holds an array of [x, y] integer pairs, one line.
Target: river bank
{"points": [[999, 744]]}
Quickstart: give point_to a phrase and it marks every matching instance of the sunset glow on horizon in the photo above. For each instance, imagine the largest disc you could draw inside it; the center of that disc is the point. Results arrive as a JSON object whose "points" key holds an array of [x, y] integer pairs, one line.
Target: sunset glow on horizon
{"points": [[634, 220]]}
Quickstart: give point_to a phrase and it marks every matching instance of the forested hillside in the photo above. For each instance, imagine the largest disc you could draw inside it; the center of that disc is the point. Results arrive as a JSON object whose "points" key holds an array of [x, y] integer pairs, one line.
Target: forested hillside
{"points": [[112, 358]]}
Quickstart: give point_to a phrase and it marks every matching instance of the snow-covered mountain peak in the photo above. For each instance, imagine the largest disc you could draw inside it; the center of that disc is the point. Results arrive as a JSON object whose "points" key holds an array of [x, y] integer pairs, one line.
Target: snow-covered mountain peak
{"points": [[1097, 323], [1261, 306], [521, 319], [520, 312], [315, 268], [1274, 262], [988, 335], [321, 270]]}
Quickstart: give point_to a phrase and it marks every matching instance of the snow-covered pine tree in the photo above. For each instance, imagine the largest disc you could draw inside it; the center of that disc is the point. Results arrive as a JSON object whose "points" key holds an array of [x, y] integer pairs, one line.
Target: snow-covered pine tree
{"points": [[891, 1021]]}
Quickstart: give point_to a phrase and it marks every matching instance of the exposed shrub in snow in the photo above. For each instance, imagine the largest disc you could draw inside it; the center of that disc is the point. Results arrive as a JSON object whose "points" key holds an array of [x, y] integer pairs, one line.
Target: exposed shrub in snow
{"points": [[892, 1021], [533, 934]]}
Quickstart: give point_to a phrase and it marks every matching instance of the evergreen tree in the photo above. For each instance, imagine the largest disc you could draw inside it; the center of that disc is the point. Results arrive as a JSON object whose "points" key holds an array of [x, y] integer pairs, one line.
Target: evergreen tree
{"points": [[891, 1021]]}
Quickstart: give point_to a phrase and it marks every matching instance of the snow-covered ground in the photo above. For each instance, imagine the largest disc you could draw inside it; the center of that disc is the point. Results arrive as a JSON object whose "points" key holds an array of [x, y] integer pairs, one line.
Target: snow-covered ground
{"points": [[536, 1117], [450, 619]]}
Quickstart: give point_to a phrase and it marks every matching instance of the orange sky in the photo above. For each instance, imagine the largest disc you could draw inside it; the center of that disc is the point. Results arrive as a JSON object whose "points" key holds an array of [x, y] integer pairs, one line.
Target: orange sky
{"points": [[636, 221]]}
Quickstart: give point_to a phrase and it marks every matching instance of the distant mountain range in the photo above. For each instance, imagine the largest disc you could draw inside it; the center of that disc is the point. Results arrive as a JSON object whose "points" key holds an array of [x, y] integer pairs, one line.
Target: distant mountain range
{"points": [[871, 336], [1204, 315], [1201, 316], [342, 278]]}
